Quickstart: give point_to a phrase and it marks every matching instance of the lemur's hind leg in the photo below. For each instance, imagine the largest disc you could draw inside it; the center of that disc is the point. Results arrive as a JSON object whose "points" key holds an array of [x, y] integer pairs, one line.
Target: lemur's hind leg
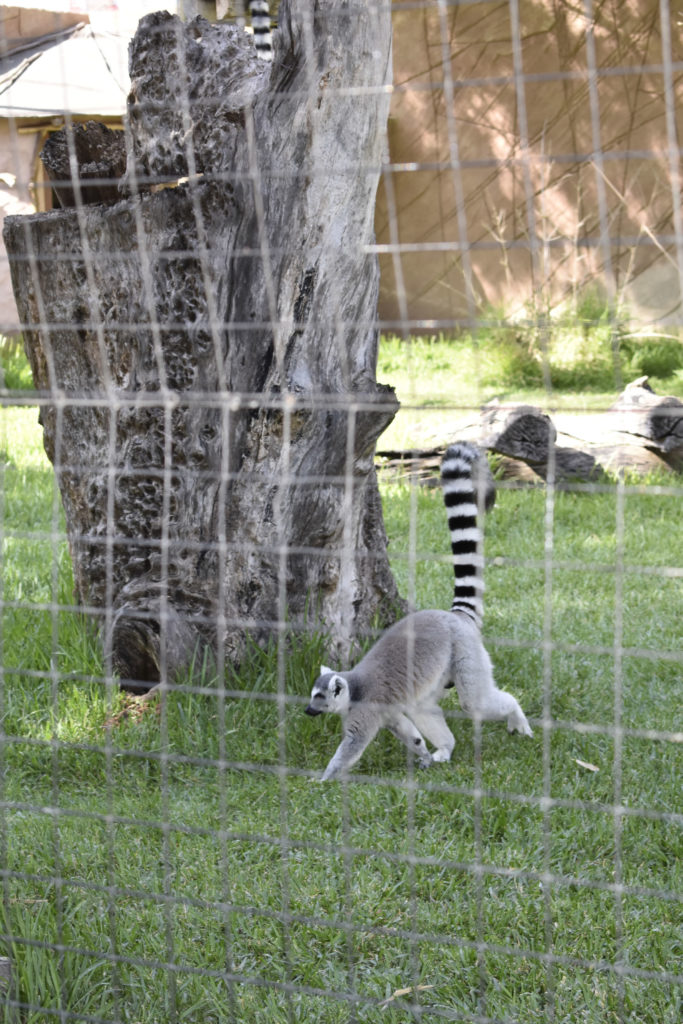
{"points": [[516, 719], [431, 722], [479, 696], [494, 705], [404, 730]]}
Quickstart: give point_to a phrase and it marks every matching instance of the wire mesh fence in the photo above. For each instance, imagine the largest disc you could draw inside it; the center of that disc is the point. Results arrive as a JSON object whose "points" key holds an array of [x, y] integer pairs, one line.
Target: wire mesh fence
{"points": [[199, 520]]}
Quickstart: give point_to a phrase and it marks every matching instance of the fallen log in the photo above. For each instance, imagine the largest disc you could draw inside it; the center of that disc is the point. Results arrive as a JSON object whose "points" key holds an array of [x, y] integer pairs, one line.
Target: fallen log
{"points": [[523, 432], [423, 466], [655, 420], [528, 435], [641, 432]]}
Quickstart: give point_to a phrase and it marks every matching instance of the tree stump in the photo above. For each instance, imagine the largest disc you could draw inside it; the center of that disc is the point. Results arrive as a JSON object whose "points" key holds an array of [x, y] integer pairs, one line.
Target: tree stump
{"points": [[98, 153], [206, 353]]}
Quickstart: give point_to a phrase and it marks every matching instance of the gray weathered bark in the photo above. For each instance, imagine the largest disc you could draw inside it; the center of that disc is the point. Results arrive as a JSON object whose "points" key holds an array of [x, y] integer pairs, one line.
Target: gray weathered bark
{"points": [[208, 351]]}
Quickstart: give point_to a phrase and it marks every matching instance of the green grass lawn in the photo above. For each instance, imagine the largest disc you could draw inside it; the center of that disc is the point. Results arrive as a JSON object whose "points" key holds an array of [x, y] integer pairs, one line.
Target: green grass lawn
{"points": [[185, 864]]}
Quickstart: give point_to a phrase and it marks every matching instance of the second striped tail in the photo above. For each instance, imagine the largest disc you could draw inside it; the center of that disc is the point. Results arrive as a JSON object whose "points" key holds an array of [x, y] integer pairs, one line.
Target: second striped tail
{"points": [[259, 14], [460, 495]]}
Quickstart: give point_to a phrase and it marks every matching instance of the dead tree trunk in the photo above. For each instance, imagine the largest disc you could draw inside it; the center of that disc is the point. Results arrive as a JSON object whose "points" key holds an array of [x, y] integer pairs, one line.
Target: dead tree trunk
{"points": [[207, 352]]}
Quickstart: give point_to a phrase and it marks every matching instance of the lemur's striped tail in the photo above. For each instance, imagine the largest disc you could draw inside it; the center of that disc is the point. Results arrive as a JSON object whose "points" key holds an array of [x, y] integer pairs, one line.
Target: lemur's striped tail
{"points": [[458, 472], [260, 23]]}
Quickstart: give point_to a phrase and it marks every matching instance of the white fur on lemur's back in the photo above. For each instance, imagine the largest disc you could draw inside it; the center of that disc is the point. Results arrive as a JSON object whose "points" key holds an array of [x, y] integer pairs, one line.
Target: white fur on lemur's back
{"points": [[460, 496]]}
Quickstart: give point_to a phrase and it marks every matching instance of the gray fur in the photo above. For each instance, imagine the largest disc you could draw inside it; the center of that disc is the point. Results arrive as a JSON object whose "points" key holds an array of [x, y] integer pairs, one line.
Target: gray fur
{"points": [[400, 681]]}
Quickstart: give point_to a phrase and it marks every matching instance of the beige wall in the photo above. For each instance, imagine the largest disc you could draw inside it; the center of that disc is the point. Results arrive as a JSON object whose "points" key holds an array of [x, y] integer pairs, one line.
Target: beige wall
{"points": [[21, 23], [17, 152], [498, 191]]}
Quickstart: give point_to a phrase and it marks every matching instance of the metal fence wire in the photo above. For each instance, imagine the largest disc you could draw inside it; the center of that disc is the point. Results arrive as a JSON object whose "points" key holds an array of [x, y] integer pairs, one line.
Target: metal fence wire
{"points": [[167, 851]]}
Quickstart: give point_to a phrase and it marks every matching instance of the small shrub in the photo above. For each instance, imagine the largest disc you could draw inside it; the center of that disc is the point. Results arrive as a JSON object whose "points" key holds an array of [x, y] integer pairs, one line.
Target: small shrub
{"points": [[655, 357], [15, 372], [507, 360], [586, 360]]}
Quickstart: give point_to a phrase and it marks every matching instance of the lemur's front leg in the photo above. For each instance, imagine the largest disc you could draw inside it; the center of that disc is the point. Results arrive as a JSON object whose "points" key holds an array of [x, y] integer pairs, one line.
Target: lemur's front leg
{"points": [[357, 735]]}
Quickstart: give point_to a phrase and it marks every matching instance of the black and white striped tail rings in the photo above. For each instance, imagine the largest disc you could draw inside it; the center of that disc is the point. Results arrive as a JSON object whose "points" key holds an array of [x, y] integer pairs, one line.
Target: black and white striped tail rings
{"points": [[457, 481], [260, 23]]}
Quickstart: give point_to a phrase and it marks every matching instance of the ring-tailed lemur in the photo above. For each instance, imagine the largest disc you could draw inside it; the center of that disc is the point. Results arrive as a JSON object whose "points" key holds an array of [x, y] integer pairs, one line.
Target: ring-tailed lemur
{"points": [[400, 681]]}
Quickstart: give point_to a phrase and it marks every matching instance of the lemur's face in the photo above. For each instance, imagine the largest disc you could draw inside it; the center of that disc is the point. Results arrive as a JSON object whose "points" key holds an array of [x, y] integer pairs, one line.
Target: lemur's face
{"points": [[330, 693]]}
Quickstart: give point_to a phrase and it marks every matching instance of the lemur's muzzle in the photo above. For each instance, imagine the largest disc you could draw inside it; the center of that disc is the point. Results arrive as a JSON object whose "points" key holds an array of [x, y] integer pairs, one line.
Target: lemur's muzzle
{"points": [[310, 710]]}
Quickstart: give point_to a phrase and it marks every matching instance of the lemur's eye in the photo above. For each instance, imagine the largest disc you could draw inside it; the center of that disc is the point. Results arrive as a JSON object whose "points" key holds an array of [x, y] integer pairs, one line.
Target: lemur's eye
{"points": [[317, 696]]}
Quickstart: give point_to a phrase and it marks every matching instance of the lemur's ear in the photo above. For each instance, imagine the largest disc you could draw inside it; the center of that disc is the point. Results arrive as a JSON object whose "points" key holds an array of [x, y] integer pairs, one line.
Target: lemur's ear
{"points": [[324, 670], [338, 687]]}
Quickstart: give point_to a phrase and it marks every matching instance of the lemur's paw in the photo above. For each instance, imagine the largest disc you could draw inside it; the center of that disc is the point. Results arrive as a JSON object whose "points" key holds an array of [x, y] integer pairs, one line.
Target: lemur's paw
{"points": [[441, 755], [518, 723]]}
